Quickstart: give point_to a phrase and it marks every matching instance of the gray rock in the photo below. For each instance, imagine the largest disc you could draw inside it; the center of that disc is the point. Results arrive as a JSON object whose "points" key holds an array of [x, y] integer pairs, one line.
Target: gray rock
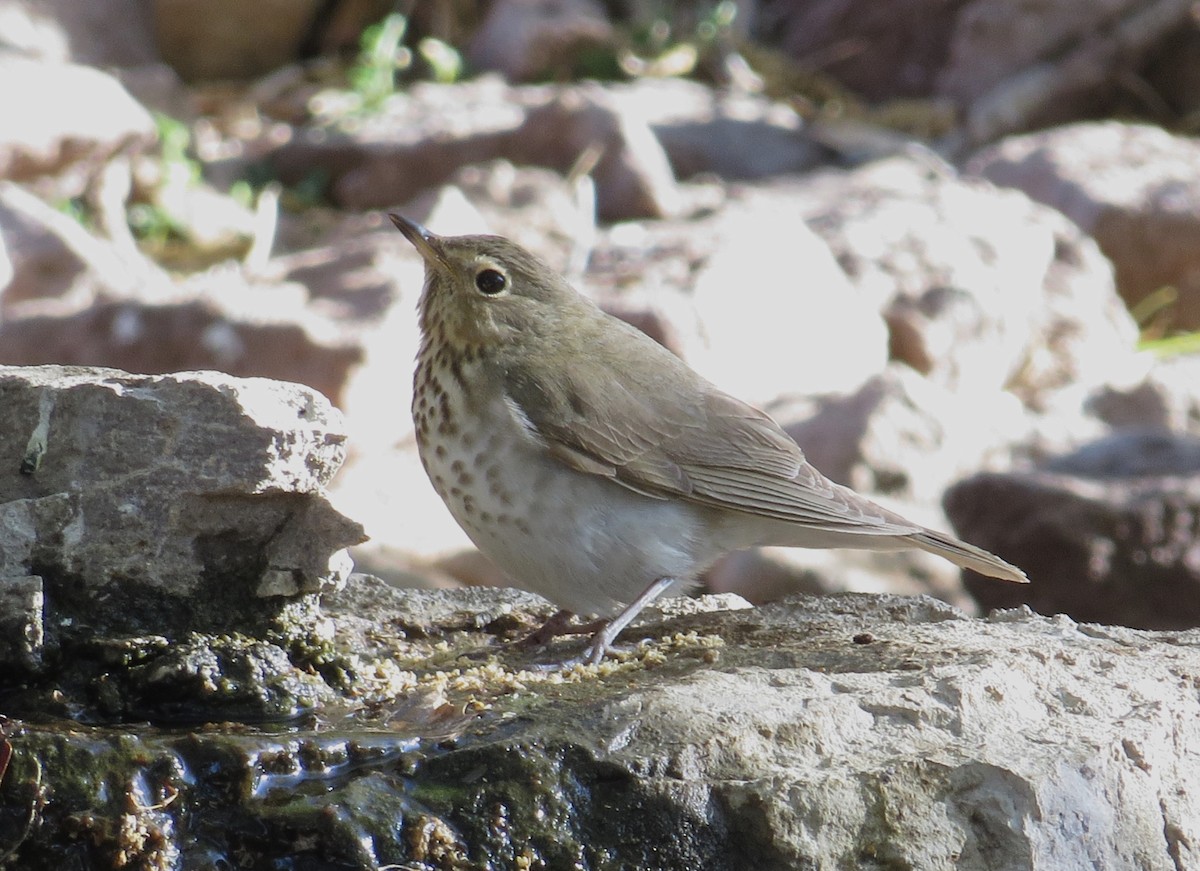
{"points": [[1133, 453], [1168, 398], [820, 732], [729, 133], [21, 636], [167, 503], [839, 732]]}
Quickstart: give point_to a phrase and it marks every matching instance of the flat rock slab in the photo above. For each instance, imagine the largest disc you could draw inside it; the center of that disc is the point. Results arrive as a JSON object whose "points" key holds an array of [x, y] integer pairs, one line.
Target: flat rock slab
{"points": [[165, 504], [848, 731], [853, 731]]}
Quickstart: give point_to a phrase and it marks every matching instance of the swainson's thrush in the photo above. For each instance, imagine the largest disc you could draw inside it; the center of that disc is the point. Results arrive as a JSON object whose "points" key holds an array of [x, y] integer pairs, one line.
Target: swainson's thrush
{"points": [[590, 463]]}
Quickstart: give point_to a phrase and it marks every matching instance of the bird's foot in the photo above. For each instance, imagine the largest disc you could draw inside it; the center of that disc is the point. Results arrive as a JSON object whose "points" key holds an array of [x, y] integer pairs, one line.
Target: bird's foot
{"points": [[558, 624], [602, 641], [605, 632]]}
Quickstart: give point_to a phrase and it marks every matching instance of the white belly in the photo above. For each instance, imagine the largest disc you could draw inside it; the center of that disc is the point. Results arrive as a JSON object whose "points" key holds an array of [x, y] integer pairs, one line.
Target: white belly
{"points": [[585, 543]]}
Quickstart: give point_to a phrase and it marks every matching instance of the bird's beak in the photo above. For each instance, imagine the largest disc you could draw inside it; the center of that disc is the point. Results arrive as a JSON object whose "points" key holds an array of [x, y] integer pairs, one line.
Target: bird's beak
{"points": [[428, 245]]}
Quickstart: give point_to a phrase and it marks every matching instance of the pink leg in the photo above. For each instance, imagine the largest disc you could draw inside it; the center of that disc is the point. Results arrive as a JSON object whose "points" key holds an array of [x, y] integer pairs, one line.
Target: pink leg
{"points": [[604, 638]]}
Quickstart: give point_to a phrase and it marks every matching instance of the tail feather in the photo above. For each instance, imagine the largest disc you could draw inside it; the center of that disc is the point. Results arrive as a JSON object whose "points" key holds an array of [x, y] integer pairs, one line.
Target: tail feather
{"points": [[967, 556]]}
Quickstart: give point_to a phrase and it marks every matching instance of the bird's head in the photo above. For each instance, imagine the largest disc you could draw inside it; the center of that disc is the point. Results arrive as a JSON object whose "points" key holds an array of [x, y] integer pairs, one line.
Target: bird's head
{"points": [[485, 291]]}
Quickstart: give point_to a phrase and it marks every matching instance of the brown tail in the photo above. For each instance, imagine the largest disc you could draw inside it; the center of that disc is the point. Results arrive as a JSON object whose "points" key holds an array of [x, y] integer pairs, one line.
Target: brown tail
{"points": [[968, 556]]}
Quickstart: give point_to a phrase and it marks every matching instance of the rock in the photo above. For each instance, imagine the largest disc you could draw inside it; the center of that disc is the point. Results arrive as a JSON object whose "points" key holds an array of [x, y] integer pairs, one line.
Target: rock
{"points": [[1132, 453], [60, 151], [532, 39], [1168, 398], [167, 504], [348, 281], [423, 136], [22, 604], [1133, 187], [229, 40], [1173, 72], [643, 273], [756, 306], [1006, 65], [219, 320], [903, 436], [1108, 534], [100, 33], [980, 288], [731, 134], [50, 255], [537, 208], [860, 704], [203, 679], [6, 270], [1083, 333], [907, 730]]}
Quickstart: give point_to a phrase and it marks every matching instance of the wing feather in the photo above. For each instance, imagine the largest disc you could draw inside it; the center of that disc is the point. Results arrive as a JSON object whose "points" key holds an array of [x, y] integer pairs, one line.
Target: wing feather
{"points": [[654, 426]]}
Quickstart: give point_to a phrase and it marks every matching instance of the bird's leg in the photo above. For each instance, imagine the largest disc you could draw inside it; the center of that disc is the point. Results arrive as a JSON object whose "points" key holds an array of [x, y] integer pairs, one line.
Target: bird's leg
{"points": [[604, 638], [558, 624]]}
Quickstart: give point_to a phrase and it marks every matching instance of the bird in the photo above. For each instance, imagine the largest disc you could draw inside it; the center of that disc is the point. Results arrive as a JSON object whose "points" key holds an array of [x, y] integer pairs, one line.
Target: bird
{"points": [[591, 464]]}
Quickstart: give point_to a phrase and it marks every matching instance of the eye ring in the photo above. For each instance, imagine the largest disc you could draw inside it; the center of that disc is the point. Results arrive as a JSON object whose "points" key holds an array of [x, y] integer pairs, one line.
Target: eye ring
{"points": [[490, 282]]}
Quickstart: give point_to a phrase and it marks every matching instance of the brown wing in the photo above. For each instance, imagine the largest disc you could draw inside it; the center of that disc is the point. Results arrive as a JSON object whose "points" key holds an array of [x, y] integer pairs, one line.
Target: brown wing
{"points": [[649, 423]]}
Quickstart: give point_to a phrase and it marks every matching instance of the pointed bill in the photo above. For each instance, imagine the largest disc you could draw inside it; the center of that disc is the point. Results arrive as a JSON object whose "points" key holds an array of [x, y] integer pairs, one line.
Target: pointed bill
{"points": [[428, 245]]}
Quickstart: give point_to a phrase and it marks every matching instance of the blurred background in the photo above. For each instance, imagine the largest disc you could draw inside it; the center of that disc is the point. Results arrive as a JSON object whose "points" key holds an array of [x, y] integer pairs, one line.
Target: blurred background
{"points": [[952, 245]]}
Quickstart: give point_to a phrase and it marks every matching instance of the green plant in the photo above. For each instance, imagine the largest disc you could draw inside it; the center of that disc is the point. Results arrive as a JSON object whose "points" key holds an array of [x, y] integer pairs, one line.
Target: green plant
{"points": [[381, 55], [76, 208], [658, 49], [444, 62], [174, 143], [1172, 346], [154, 222]]}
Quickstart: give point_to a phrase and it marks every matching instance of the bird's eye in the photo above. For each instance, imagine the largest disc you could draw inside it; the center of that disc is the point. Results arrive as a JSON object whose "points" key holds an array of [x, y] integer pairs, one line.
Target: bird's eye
{"points": [[490, 282]]}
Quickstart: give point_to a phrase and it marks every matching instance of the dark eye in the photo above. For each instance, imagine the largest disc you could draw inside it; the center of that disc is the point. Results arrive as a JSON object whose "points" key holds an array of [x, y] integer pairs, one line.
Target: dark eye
{"points": [[490, 282]]}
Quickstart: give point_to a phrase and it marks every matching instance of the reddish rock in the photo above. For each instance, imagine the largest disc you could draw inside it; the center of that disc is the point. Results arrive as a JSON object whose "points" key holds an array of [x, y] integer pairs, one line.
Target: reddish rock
{"points": [[1007, 65], [531, 39], [102, 33], [159, 338], [424, 136], [1108, 535], [49, 254], [982, 289], [226, 39], [93, 119], [1133, 187], [775, 310], [902, 436]]}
